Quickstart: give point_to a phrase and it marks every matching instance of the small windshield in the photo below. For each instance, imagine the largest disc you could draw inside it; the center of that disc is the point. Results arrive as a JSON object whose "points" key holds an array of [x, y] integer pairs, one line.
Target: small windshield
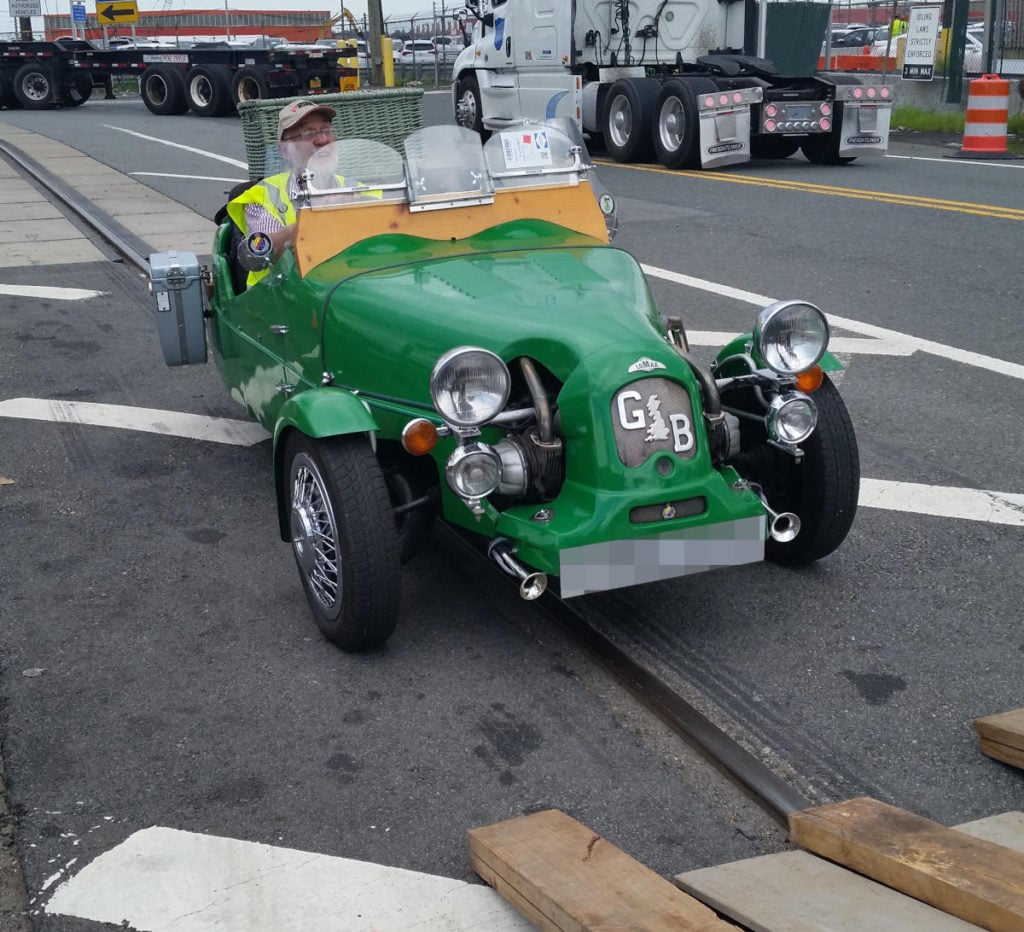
{"points": [[440, 166]]}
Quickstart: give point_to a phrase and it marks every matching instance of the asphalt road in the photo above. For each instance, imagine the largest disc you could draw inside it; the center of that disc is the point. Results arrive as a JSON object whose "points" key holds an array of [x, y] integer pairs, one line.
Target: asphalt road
{"points": [[183, 683]]}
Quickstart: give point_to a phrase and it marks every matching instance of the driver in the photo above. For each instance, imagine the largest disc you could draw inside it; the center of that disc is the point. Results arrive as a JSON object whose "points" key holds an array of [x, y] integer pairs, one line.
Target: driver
{"points": [[303, 129]]}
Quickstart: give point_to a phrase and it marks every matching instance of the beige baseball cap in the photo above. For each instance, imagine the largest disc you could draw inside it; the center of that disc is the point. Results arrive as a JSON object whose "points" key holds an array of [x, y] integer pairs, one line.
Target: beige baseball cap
{"points": [[298, 110]]}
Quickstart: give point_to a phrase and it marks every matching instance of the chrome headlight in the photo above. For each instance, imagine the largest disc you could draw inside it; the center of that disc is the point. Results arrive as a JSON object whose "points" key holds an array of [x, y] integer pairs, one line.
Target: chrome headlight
{"points": [[473, 471], [791, 336], [469, 386], [791, 417]]}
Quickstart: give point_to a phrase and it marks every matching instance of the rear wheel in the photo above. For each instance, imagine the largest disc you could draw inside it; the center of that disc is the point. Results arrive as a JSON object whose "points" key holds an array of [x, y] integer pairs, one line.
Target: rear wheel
{"points": [[677, 123], [628, 119], [34, 87], [7, 98], [77, 91], [250, 83], [343, 538], [162, 89], [208, 90], [824, 149]]}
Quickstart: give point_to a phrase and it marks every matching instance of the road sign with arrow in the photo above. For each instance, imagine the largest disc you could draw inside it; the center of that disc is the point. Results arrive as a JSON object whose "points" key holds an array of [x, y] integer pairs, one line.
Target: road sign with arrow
{"points": [[117, 11]]}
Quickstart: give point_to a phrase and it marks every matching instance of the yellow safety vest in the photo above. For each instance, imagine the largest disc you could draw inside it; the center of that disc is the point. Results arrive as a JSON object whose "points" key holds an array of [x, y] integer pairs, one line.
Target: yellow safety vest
{"points": [[272, 195]]}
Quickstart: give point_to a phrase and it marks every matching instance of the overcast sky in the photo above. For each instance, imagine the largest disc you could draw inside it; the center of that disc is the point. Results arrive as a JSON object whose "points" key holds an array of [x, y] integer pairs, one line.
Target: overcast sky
{"points": [[393, 9]]}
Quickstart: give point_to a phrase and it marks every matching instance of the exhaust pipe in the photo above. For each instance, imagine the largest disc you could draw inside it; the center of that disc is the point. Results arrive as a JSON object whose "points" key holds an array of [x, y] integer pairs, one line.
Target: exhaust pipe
{"points": [[531, 584], [784, 526]]}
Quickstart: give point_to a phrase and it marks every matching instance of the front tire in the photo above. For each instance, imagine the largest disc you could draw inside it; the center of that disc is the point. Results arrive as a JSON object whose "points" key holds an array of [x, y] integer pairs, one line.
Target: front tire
{"points": [[343, 538], [468, 111], [821, 489]]}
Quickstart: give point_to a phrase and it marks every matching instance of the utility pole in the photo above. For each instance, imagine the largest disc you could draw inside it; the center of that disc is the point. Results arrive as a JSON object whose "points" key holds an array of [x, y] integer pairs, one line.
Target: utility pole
{"points": [[376, 15], [25, 25]]}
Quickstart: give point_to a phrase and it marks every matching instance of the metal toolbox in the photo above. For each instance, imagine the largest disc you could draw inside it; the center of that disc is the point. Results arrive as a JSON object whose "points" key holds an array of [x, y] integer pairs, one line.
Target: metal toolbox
{"points": [[175, 282]]}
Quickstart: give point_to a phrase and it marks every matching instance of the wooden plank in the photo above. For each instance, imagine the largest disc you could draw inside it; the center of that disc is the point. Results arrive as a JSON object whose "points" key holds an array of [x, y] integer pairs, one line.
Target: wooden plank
{"points": [[562, 876], [1004, 728], [969, 877], [1002, 752], [794, 891]]}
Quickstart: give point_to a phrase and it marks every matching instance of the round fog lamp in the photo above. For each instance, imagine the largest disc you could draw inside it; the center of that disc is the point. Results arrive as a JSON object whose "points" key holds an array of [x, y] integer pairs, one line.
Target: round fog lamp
{"points": [[791, 336], [469, 386], [791, 417], [473, 470]]}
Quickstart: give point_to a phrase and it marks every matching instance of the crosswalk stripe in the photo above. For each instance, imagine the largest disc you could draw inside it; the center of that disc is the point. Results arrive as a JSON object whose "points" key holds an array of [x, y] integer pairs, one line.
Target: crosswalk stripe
{"points": [[163, 879]]}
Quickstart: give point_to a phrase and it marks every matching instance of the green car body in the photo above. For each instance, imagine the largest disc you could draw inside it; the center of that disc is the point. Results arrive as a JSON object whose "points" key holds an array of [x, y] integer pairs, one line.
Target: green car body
{"points": [[628, 473]]}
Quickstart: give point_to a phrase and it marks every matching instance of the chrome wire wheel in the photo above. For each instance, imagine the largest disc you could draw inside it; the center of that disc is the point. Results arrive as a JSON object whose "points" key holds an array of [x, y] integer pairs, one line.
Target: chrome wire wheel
{"points": [[343, 535], [315, 533]]}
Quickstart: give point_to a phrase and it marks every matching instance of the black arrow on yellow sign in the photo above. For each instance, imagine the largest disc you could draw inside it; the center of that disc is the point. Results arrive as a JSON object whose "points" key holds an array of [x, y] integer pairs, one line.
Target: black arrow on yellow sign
{"points": [[112, 13]]}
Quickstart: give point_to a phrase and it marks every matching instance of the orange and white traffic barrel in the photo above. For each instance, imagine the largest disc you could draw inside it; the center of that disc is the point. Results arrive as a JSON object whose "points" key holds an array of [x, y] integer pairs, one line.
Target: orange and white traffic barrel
{"points": [[987, 115]]}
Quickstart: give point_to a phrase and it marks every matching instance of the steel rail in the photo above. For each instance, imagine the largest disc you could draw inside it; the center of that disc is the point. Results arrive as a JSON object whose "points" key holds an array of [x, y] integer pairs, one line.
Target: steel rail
{"points": [[764, 786], [119, 238]]}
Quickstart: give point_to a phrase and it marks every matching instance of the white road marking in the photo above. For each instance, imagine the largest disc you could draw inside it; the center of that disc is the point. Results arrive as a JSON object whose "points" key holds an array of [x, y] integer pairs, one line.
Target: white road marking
{"points": [[162, 879], [189, 177], [178, 145], [52, 292], [149, 420], [916, 344], [945, 502], [955, 161], [836, 344]]}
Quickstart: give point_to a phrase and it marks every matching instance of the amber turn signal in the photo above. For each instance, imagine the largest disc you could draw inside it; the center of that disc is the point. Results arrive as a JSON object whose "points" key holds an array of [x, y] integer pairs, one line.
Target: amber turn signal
{"points": [[810, 379], [419, 436]]}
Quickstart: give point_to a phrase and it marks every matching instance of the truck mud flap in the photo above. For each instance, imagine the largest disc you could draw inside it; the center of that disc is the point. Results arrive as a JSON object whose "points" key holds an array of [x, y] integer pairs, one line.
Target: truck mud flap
{"points": [[725, 126], [864, 129]]}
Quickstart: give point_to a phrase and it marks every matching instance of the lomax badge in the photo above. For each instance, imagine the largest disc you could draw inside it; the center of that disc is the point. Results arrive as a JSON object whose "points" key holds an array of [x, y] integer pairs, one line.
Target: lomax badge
{"points": [[645, 364]]}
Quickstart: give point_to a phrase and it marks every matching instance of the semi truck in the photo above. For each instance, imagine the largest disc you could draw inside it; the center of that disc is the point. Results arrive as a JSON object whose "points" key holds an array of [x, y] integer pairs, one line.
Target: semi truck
{"points": [[682, 80], [209, 81]]}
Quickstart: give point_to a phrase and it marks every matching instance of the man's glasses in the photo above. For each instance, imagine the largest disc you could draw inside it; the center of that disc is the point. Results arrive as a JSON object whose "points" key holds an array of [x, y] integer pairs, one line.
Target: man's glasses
{"points": [[308, 135]]}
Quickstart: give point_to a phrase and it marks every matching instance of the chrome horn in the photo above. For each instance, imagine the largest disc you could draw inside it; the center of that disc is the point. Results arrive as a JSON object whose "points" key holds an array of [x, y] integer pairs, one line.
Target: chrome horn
{"points": [[531, 584], [784, 526]]}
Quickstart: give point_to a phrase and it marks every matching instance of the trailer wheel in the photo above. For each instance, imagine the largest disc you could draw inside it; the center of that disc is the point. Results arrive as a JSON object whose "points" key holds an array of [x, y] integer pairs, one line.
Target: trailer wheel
{"points": [[628, 119], [34, 86], [208, 90], [824, 149], [250, 83], [7, 98], [77, 91], [773, 147], [677, 123], [468, 112], [163, 90]]}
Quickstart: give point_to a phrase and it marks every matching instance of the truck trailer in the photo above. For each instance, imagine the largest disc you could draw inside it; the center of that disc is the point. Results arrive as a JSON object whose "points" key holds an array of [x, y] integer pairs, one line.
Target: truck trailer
{"points": [[209, 81], [682, 80]]}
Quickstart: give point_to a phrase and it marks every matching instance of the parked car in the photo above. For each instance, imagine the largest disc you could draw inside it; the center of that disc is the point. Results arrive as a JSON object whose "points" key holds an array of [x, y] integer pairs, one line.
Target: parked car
{"points": [[974, 58], [455, 338], [419, 52], [859, 38], [448, 48]]}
